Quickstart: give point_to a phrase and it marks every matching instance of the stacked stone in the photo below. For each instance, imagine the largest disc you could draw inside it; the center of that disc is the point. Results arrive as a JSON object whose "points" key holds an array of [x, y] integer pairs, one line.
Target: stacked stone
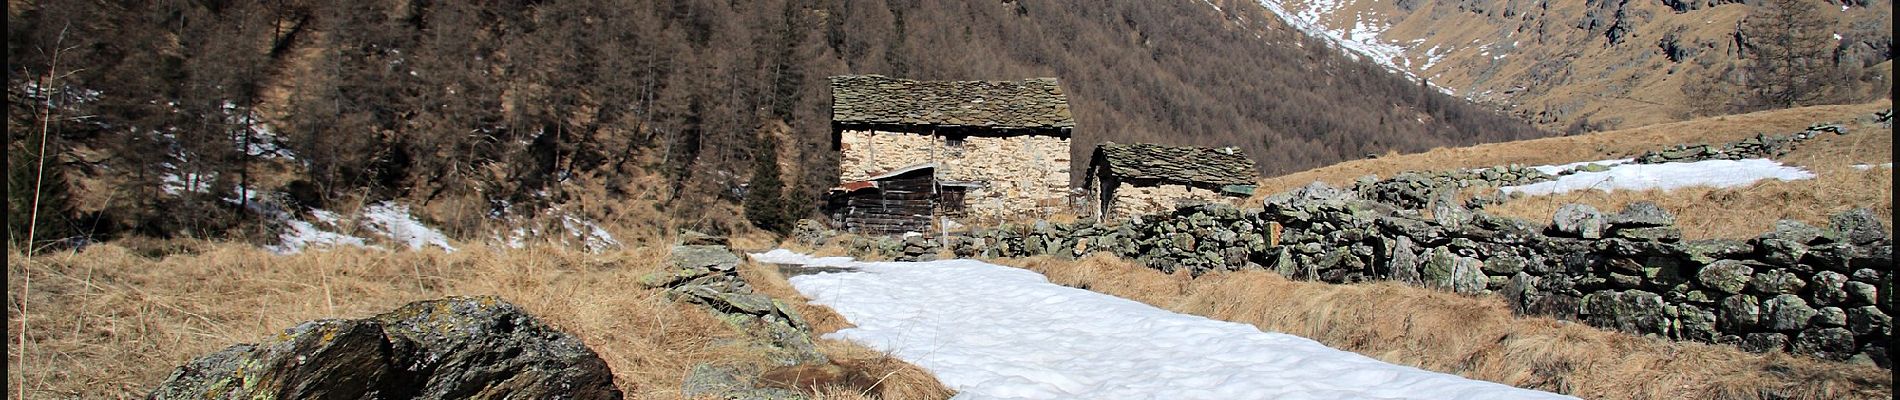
{"points": [[705, 271], [1760, 146], [1824, 292], [1415, 190], [1185, 165], [1026, 104]]}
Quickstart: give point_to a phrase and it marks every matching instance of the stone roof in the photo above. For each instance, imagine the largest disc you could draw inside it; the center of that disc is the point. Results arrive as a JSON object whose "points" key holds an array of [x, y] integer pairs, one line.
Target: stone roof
{"points": [[1026, 104], [1179, 164]]}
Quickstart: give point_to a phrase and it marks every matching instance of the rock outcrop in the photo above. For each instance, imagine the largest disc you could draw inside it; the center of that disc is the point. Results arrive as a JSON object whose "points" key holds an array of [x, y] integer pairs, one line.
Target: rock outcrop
{"points": [[453, 348], [704, 271]]}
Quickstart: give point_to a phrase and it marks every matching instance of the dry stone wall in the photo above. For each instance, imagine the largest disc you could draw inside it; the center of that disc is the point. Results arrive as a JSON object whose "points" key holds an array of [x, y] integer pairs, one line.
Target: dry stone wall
{"points": [[1132, 200], [1820, 291], [1017, 176]]}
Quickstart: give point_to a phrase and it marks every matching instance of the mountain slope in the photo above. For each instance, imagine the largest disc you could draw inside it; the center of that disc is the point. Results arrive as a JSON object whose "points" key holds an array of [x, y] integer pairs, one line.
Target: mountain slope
{"points": [[474, 110], [1587, 64]]}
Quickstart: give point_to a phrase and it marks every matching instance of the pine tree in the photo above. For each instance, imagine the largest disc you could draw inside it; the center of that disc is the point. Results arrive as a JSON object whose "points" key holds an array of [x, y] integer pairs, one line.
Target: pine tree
{"points": [[764, 196], [1789, 54]]}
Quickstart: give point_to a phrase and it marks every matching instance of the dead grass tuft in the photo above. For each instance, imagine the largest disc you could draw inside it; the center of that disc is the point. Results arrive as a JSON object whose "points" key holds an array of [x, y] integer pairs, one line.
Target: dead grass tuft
{"points": [[1475, 337], [111, 321]]}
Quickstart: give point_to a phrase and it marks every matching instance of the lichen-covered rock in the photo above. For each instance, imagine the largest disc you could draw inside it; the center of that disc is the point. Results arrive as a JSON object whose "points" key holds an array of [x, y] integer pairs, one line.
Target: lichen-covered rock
{"points": [[453, 348], [1776, 281], [1710, 250], [1786, 313], [1726, 276], [1762, 342], [1740, 313], [1832, 317], [1578, 221], [1829, 343], [1869, 320], [1630, 311], [1697, 323], [1642, 214], [1858, 226]]}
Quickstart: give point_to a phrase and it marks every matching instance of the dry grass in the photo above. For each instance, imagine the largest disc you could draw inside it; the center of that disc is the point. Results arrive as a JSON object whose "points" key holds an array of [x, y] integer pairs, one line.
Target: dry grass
{"points": [[110, 322], [1474, 337], [896, 379], [1702, 212]]}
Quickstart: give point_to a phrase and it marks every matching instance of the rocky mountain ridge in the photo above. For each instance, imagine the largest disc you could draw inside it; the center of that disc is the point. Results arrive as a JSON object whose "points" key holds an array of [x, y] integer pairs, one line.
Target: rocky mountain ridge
{"points": [[1579, 64]]}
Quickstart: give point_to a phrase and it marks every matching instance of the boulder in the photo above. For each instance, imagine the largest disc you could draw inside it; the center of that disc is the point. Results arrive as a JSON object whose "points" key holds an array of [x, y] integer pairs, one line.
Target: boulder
{"points": [[1869, 321], [1726, 276], [1697, 324], [1740, 313], [1578, 221], [1797, 232], [1654, 233], [1858, 226], [1833, 317], [1642, 214], [1829, 343], [1776, 281], [1786, 313], [1761, 342], [1633, 311], [453, 348], [1827, 288], [1710, 250]]}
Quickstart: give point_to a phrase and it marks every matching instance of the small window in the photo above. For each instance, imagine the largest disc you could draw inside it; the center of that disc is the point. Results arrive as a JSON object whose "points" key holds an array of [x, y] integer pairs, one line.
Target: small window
{"points": [[954, 142]]}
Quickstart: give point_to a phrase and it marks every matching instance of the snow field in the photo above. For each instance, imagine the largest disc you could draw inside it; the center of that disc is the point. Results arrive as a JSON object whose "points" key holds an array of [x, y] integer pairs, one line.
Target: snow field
{"points": [[1667, 176], [995, 332]]}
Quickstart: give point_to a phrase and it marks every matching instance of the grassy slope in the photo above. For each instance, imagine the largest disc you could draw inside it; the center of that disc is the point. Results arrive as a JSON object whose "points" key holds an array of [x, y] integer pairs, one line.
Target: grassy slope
{"points": [[1703, 213], [1475, 337], [108, 322]]}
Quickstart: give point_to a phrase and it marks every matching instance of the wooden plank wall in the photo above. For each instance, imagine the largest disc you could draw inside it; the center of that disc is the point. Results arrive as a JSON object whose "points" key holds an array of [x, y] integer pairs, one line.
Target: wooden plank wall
{"points": [[903, 204]]}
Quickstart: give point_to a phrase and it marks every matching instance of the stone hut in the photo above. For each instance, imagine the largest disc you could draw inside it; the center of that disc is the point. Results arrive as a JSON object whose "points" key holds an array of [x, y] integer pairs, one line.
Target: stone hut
{"points": [[912, 151], [1134, 179]]}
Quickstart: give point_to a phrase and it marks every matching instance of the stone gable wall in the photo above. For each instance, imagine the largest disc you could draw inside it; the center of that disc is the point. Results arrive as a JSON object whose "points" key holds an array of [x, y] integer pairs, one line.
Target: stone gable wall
{"points": [[1131, 200], [1021, 176]]}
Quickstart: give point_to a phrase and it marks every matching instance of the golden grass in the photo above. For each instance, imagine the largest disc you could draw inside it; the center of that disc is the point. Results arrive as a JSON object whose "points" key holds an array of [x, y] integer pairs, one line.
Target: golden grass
{"points": [[1701, 212], [1475, 337], [1566, 149], [108, 323]]}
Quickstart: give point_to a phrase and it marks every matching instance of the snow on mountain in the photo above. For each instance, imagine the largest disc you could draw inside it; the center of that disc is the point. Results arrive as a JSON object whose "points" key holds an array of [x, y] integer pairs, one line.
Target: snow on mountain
{"points": [[1361, 40], [995, 332]]}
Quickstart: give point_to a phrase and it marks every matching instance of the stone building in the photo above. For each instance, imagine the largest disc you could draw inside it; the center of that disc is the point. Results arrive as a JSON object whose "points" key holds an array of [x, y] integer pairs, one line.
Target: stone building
{"points": [[1133, 179], [911, 151]]}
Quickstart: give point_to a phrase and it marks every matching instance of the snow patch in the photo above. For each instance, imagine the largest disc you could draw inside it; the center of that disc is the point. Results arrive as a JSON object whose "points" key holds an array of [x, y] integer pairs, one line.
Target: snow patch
{"points": [[995, 332], [393, 221], [1362, 38], [301, 235], [1666, 176], [1865, 167], [594, 238]]}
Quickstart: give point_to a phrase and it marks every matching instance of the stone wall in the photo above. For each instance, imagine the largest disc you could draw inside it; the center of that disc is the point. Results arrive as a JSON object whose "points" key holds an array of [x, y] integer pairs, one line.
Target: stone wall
{"points": [[1131, 200], [1018, 176], [1824, 292]]}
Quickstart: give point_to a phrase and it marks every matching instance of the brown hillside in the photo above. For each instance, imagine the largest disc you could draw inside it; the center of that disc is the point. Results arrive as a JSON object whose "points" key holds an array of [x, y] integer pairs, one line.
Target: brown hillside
{"points": [[1731, 213], [1588, 65]]}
